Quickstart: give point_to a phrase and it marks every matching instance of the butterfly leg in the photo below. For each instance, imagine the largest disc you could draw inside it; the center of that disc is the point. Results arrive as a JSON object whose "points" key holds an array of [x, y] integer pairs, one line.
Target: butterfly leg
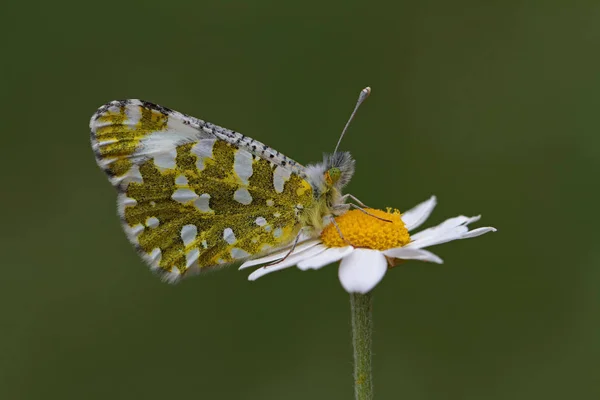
{"points": [[353, 198], [346, 206], [288, 253], [340, 209], [339, 231], [368, 213], [394, 262], [361, 206]]}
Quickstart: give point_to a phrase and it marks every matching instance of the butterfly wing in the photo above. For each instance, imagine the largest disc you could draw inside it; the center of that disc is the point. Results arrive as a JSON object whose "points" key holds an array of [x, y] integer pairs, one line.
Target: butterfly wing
{"points": [[193, 195]]}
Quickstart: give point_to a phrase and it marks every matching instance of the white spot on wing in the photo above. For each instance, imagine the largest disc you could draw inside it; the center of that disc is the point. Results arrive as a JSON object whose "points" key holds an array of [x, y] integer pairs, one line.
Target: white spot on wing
{"points": [[166, 159], [191, 257], [102, 143], [106, 162], [161, 145], [242, 165], [134, 231], [242, 195], [188, 234], [181, 180], [202, 203], [229, 236], [265, 247], [270, 203], [277, 233], [203, 150], [173, 275], [260, 221], [134, 115], [155, 256], [205, 244], [134, 175], [184, 195], [238, 253], [280, 177], [152, 222], [128, 201]]}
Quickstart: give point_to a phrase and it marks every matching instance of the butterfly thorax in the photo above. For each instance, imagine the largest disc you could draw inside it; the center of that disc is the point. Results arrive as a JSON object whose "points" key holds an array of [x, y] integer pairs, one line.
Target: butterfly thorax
{"points": [[327, 180]]}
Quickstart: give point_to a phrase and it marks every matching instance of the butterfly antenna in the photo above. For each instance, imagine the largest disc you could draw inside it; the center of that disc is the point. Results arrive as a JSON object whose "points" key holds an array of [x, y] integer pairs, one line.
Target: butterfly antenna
{"points": [[361, 97]]}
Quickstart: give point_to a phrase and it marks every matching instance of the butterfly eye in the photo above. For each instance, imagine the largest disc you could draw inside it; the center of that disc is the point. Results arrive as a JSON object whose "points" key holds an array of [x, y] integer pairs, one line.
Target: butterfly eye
{"points": [[333, 175]]}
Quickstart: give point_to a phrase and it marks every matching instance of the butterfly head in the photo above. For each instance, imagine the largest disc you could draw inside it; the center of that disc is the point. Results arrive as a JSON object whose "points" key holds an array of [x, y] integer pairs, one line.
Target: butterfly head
{"points": [[331, 175], [339, 169]]}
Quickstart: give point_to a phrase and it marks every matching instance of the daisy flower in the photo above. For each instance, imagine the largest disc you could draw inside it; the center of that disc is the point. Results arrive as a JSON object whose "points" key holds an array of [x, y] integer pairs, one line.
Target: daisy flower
{"points": [[370, 246]]}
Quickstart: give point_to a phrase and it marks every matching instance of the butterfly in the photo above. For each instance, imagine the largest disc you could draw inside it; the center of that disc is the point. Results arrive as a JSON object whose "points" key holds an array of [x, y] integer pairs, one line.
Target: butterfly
{"points": [[193, 195]]}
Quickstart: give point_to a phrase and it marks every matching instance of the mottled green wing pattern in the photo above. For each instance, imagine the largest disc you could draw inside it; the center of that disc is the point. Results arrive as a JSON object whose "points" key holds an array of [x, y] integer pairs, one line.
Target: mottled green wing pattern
{"points": [[189, 199]]}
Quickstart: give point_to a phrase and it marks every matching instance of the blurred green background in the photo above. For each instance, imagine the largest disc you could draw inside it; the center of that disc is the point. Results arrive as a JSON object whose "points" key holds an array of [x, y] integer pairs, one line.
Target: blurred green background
{"points": [[492, 106]]}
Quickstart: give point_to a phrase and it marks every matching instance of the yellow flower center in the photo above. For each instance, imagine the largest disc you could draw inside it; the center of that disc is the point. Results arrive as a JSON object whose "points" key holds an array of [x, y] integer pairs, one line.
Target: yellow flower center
{"points": [[378, 230]]}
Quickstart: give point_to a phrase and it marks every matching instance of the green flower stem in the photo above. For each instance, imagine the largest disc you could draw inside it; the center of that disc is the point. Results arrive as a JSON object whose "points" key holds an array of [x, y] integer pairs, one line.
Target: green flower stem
{"points": [[362, 328]]}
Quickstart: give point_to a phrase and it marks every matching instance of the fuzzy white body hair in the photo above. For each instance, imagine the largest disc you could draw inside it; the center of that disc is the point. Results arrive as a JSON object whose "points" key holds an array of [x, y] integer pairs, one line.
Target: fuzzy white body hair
{"points": [[315, 175], [327, 194]]}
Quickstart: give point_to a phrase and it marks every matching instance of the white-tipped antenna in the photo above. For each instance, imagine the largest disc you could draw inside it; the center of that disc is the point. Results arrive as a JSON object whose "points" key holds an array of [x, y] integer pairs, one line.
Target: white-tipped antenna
{"points": [[361, 97]]}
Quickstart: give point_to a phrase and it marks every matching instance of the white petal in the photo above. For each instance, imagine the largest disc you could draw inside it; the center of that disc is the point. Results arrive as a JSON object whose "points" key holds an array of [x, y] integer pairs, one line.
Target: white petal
{"points": [[332, 254], [280, 254], [361, 270], [448, 224], [439, 237], [478, 232], [407, 253], [288, 262], [451, 229], [414, 217]]}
